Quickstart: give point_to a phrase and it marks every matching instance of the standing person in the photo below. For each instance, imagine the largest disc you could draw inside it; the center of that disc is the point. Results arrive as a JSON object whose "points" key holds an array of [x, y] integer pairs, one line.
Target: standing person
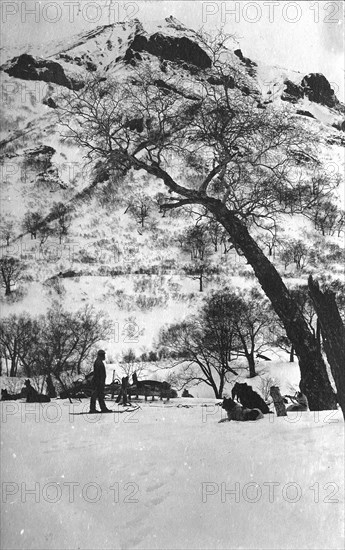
{"points": [[99, 376]]}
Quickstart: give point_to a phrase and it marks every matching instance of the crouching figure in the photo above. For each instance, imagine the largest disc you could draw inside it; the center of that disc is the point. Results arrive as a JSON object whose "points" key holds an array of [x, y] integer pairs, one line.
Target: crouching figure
{"points": [[235, 411], [32, 396], [5, 396], [299, 402]]}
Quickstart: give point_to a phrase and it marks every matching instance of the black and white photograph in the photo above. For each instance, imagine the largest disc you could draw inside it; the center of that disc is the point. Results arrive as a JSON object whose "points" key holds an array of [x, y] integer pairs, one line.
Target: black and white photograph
{"points": [[172, 283]]}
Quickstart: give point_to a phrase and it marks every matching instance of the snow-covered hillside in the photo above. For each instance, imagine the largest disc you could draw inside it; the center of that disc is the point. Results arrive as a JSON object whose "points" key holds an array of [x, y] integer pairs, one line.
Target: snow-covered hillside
{"points": [[40, 169]]}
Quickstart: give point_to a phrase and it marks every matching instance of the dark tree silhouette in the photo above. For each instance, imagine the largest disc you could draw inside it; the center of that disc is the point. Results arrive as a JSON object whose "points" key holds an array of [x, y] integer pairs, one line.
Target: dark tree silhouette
{"points": [[17, 337], [61, 213], [12, 271], [7, 229], [32, 222], [333, 334], [54, 343]]}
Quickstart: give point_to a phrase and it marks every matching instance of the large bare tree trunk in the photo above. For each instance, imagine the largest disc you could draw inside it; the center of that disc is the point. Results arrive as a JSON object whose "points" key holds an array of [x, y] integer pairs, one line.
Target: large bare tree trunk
{"points": [[333, 334], [13, 371], [8, 291], [314, 378], [251, 364], [219, 394]]}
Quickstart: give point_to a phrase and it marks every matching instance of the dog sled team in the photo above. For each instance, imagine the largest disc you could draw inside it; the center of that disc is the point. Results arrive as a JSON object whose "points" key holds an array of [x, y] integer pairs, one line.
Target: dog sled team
{"points": [[28, 392], [251, 406], [244, 404]]}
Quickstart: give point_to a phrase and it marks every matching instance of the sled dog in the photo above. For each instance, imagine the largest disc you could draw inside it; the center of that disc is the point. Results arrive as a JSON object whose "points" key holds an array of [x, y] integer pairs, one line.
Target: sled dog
{"points": [[235, 411]]}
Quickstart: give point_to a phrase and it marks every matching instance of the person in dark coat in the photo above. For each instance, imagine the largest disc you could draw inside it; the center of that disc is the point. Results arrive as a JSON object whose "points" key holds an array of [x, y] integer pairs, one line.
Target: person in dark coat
{"points": [[99, 376]]}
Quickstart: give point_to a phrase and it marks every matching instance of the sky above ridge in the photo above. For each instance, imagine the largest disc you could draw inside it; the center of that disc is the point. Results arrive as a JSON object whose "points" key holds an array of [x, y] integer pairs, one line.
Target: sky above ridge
{"points": [[305, 36]]}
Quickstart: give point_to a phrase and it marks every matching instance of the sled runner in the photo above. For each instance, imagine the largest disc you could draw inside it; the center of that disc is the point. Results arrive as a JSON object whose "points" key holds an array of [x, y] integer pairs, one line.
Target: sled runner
{"points": [[106, 412]]}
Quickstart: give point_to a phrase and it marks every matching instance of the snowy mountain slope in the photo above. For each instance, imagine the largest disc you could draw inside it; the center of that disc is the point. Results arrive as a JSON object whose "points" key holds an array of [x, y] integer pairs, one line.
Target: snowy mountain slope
{"points": [[113, 47], [30, 81], [107, 45], [102, 237]]}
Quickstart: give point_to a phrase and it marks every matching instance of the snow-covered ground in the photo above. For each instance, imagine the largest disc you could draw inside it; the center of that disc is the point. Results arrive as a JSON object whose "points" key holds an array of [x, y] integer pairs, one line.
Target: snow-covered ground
{"points": [[170, 476]]}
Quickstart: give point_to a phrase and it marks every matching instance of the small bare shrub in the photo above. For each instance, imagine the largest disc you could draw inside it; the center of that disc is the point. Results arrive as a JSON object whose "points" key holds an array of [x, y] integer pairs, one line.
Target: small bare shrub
{"points": [[265, 385]]}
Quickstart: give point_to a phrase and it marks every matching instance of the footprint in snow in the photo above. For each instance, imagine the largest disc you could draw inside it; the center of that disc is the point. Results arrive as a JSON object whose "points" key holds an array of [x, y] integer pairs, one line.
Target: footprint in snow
{"points": [[158, 500], [155, 486], [145, 473]]}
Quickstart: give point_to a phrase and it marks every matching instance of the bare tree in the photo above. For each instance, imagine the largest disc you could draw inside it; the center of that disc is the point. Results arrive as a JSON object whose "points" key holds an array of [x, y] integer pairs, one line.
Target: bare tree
{"points": [[295, 251], [12, 271], [61, 213], [327, 217], [226, 242], [200, 270], [215, 231], [240, 162], [7, 229], [228, 326], [44, 232], [340, 224], [17, 337], [68, 338], [139, 207], [199, 354], [32, 222], [129, 363], [252, 318], [90, 327], [53, 343], [197, 242]]}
